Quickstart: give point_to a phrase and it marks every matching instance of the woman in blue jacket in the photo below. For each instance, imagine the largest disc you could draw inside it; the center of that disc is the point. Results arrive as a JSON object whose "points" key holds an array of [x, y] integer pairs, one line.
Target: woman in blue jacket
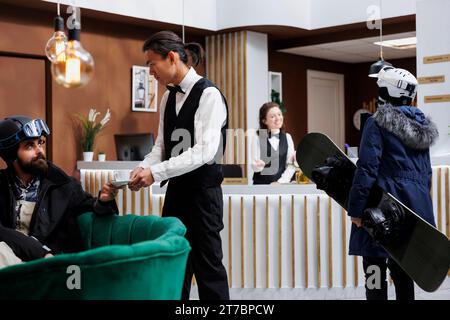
{"points": [[394, 154]]}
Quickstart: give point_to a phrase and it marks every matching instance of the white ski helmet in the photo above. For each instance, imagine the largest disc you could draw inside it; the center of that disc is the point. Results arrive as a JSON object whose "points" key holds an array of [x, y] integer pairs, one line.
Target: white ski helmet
{"points": [[397, 86]]}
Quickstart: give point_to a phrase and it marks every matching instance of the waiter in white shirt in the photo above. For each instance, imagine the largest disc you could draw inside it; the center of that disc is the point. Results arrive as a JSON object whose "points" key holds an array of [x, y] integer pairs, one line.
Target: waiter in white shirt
{"points": [[191, 139]]}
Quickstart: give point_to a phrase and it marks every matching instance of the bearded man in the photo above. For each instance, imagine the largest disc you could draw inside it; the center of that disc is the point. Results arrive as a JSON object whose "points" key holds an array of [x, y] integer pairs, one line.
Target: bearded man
{"points": [[39, 203]]}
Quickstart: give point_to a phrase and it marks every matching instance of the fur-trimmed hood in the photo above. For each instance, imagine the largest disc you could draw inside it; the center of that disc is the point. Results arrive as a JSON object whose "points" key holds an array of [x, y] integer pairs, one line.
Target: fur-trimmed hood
{"points": [[409, 124]]}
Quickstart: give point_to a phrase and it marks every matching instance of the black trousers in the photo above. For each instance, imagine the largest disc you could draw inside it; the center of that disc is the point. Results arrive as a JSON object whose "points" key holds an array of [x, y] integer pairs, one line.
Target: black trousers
{"points": [[404, 285], [201, 211]]}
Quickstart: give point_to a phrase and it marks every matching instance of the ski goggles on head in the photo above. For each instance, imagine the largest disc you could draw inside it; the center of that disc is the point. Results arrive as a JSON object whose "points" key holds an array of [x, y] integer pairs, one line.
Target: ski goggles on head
{"points": [[35, 128], [32, 129]]}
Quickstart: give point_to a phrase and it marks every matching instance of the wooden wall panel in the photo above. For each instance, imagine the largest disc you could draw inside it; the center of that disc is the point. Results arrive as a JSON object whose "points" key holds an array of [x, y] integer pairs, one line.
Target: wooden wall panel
{"points": [[226, 67], [22, 88]]}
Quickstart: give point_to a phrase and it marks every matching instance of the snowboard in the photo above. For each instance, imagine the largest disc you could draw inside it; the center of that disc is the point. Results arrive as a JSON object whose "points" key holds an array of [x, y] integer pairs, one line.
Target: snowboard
{"points": [[419, 248]]}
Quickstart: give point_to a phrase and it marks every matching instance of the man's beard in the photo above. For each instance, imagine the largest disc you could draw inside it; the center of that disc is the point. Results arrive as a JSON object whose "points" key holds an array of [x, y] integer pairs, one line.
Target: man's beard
{"points": [[37, 166]]}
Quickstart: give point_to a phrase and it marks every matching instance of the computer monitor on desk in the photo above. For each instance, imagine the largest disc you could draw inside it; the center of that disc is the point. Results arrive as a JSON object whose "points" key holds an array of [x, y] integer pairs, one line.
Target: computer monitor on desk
{"points": [[133, 147]]}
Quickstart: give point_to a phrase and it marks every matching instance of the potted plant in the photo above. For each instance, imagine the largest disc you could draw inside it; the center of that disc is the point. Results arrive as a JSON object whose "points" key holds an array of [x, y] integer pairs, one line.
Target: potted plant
{"points": [[101, 156], [89, 129], [275, 97]]}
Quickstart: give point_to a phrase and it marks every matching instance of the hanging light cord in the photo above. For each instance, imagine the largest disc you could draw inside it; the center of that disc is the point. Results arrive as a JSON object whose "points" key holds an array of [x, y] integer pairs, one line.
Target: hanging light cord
{"points": [[58, 10], [183, 19], [381, 31]]}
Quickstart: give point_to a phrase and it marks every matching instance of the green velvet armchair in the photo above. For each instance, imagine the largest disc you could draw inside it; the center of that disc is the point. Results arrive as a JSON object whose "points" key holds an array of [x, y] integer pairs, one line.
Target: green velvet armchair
{"points": [[126, 257]]}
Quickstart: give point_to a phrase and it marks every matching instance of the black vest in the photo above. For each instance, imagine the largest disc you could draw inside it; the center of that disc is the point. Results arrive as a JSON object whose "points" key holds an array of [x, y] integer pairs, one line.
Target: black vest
{"points": [[209, 174], [272, 170]]}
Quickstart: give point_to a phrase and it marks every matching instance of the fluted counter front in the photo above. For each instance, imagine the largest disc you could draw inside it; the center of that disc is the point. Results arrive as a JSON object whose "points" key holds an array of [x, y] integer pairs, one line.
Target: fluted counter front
{"points": [[285, 241]]}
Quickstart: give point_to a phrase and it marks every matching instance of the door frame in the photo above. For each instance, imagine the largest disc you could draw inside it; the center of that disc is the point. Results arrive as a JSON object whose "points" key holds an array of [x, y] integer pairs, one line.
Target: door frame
{"points": [[48, 93], [311, 74]]}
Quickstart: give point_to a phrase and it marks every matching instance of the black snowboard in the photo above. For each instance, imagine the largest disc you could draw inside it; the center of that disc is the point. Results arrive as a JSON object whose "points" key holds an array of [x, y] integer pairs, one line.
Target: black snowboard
{"points": [[420, 249]]}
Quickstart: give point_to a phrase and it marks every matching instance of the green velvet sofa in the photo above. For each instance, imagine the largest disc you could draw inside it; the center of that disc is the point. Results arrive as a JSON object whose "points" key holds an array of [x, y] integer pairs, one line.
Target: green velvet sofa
{"points": [[126, 257]]}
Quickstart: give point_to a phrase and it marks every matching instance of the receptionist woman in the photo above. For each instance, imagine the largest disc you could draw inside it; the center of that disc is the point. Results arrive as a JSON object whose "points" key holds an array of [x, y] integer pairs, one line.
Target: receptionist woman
{"points": [[272, 149]]}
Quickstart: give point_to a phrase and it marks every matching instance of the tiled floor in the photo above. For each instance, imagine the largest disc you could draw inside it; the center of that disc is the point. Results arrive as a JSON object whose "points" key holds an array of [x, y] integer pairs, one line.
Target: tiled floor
{"points": [[442, 294], [325, 294]]}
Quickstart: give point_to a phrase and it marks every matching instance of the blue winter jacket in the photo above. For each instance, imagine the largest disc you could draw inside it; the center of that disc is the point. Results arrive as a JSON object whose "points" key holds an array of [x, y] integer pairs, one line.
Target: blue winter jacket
{"points": [[394, 154]]}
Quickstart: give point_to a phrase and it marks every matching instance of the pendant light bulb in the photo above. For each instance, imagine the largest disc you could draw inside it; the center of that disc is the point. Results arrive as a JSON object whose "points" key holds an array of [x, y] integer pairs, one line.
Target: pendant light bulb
{"points": [[74, 67], [57, 43], [381, 63], [376, 67]]}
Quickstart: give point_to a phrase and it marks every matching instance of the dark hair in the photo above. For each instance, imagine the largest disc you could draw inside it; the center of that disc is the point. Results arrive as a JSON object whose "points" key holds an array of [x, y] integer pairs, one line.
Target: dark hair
{"points": [[9, 155], [165, 41], [196, 53], [263, 113]]}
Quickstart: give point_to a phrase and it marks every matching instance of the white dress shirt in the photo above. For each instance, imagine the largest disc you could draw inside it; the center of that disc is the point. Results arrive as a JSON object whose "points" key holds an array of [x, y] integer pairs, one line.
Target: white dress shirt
{"points": [[274, 142], [209, 119]]}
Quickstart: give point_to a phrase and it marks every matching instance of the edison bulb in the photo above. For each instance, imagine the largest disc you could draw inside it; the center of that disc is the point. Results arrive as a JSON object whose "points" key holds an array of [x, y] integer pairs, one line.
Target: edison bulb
{"points": [[55, 46], [74, 67], [57, 43]]}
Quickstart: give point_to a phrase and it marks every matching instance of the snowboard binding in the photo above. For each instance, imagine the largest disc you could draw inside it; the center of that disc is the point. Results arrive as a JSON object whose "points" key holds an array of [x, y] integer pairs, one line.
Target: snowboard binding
{"points": [[334, 177], [384, 223]]}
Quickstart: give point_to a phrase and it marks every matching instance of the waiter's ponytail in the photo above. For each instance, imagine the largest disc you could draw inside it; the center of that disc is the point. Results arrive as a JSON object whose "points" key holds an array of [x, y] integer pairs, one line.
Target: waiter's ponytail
{"points": [[165, 41], [195, 52]]}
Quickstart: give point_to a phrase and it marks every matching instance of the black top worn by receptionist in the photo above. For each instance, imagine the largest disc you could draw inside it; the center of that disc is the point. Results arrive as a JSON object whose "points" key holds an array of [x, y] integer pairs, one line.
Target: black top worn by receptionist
{"points": [[275, 160]]}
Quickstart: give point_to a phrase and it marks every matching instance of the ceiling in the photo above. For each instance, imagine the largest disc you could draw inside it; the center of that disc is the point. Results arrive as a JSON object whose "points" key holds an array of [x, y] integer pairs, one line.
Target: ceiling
{"points": [[346, 43], [281, 37], [355, 51]]}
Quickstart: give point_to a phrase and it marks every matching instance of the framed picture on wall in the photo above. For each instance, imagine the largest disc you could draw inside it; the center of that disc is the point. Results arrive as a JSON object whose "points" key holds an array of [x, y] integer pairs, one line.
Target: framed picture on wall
{"points": [[144, 90]]}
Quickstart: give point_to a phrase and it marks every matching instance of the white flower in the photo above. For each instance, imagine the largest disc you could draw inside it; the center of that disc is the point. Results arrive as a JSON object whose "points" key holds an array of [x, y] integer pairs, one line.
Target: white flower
{"points": [[92, 115], [106, 118], [95, 116]]}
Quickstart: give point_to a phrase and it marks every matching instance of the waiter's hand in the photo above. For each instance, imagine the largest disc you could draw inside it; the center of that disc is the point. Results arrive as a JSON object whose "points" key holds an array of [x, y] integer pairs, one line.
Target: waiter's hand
{"points": [[357, 222], [140, 178], [108, 192]]}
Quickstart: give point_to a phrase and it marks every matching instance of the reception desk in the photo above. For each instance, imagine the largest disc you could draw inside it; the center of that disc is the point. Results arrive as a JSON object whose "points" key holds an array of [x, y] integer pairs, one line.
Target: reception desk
{"points": [[279, 242]]}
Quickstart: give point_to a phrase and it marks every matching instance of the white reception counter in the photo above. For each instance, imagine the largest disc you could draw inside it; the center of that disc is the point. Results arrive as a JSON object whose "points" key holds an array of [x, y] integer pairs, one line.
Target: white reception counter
{"points": [[279, 242]]}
